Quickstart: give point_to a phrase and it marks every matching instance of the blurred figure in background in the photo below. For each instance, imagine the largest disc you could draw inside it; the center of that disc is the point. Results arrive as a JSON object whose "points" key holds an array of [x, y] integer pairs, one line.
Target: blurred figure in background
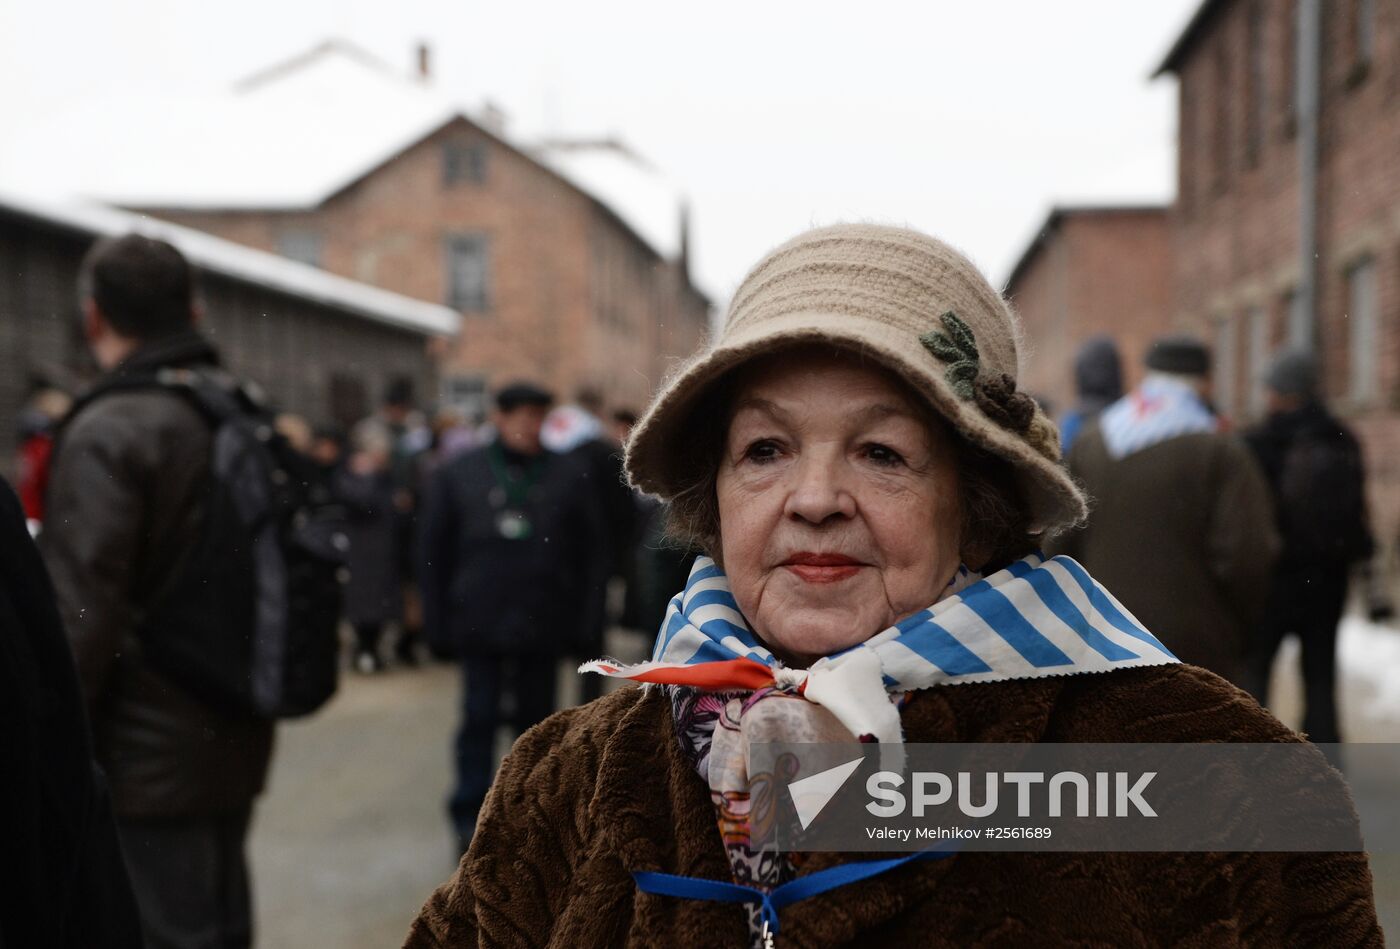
{"points": [[409, 437], [296, 430], [1317, 480], [37, 422], [656, 565], [131, 471], [327, 451], [452, 435], [506, 528], [365, 485], [1098, 383], [1181, 529], [599, 460], [69, 888], [623, 421]]}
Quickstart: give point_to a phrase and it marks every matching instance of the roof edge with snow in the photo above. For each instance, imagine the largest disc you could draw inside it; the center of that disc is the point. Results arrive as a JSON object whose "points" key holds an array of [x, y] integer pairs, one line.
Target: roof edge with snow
{"points": [[216, 255]]}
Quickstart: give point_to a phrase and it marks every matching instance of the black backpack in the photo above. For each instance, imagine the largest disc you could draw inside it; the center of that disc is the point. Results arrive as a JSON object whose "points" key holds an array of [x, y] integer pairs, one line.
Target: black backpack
{"points": [[250, 621], [1322, 499]]}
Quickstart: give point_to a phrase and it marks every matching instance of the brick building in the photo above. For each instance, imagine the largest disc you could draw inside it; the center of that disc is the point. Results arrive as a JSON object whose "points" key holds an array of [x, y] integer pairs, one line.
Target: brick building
{"points": [[568, 261], [1286, 229], [318, 345], [1091, 270]]}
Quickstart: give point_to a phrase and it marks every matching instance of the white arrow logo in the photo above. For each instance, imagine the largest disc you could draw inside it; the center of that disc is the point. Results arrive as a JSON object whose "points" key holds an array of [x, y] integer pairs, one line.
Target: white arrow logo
{"points": [[813, 793]]}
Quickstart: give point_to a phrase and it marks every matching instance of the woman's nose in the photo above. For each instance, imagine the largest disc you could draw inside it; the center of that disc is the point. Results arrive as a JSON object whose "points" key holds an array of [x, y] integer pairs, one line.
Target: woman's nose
{"points": [[819, 491]]}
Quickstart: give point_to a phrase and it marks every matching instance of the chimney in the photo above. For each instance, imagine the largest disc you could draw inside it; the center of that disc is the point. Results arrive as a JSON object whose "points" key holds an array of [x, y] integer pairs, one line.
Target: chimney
{"points": [[493, 118], [425, 62], [684, 260]]}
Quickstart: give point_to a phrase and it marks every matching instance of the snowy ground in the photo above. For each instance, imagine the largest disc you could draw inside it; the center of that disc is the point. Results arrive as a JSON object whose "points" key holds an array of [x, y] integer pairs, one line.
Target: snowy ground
{"points": [[1368, 676]]}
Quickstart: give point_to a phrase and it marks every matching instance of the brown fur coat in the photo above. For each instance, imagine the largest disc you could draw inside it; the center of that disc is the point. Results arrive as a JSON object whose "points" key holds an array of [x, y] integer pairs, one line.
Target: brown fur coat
{"points": [[598, 791]]}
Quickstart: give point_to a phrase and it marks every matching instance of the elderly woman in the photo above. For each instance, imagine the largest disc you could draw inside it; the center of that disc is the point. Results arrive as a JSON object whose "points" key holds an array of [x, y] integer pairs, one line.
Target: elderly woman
{"points": [[869, 486]]}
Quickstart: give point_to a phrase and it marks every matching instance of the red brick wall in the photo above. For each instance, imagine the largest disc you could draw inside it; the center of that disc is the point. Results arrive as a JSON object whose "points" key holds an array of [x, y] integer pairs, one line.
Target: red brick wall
{"points": [[575, 298], [1098, 271], [1235, 227]]}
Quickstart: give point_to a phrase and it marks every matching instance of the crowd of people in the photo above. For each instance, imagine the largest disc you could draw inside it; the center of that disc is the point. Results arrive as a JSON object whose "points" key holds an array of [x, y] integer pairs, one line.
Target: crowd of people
{"points": [[837, 476], [497, 545]]}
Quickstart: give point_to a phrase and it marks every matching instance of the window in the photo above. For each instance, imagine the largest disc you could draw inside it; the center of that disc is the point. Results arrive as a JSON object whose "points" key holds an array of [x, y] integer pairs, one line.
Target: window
{"points": [[348, 398], [466, 394], [1257, 325], [1220, 134], [1225, 359], [301, 245], [463, 162], [1300, 323], [1364, 14], [1363, 327], [1257, 107], [468, 272], [1288, 101], [1186, 151], [1361, 25]]}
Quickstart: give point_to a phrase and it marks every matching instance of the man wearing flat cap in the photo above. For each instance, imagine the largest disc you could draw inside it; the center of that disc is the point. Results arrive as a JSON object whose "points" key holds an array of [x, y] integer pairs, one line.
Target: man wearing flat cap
{"points": [[1180, 525], [504, 532]]}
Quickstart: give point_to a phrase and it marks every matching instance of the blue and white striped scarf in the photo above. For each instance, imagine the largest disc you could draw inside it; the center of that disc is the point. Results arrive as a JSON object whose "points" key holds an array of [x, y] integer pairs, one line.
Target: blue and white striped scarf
{"points": [[1159, 409], [1036, 618]]}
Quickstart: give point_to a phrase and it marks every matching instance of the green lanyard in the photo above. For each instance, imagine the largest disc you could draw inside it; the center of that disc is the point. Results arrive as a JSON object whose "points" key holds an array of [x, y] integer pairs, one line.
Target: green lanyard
{"points": [[516, 490]]}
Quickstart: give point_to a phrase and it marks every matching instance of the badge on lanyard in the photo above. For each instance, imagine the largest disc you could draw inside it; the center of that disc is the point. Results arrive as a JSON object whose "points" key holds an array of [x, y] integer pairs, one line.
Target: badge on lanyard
{"points": [[510, 494], [513, 525]]}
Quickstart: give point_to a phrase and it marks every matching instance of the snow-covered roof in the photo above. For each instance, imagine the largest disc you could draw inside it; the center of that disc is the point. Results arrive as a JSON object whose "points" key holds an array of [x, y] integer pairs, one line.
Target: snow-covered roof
{"points": [[223, 257], [632, 188], [288, 138]]}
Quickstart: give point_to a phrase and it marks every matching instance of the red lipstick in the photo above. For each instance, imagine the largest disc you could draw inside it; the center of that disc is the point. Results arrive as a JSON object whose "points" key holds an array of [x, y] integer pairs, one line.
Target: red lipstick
{"points": [[823, 568]]}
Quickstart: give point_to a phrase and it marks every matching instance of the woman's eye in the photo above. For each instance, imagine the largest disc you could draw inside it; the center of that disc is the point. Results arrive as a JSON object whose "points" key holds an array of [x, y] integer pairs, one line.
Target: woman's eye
{"points": [[883, 455], [761, 451]]}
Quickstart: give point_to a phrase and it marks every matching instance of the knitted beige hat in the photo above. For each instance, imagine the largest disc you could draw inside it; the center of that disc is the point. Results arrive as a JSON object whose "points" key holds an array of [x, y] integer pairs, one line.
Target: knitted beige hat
{"points": [[905, 299]]}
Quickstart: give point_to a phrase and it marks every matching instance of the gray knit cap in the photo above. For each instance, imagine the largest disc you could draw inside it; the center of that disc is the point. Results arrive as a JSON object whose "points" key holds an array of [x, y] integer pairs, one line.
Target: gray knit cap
{"points": [[1293, 373], [908, 301]]}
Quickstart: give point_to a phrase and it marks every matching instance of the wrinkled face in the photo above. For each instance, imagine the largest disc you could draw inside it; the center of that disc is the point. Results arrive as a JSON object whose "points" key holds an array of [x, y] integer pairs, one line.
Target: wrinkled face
{"points": [[520, 428], [838, 502]]}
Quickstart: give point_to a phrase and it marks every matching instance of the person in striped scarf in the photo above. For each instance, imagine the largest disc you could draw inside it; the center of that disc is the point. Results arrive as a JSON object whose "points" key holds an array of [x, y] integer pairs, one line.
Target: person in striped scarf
{"points": [[870, 490]]}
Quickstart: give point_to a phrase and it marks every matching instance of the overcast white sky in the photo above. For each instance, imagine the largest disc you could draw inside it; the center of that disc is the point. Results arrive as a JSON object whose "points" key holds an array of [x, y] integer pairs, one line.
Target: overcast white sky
{"points": [[966, 119]]}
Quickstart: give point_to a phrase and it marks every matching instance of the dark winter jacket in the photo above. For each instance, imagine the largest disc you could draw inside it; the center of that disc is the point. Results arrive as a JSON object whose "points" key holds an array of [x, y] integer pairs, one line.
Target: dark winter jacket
{"points": [[488, 594], [1313, 465], [599, 462], [374, 594], [124, 510], [68, 885], [599, 791], [1182, 532]]}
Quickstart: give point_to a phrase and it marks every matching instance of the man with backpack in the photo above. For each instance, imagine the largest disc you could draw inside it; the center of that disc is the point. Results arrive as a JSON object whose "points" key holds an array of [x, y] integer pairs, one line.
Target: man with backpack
{"points": [[158, 474], [1314, 468]]}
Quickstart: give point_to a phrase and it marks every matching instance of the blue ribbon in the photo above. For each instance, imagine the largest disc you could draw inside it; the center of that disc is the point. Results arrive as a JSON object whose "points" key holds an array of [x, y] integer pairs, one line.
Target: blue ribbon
{"points": [[815, 884]]}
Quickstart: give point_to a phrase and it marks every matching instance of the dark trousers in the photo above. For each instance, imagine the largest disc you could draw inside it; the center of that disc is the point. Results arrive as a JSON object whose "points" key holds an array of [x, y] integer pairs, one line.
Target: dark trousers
{"points": [[367, 638], [190, 877], [484, 680], [1307, 602]]}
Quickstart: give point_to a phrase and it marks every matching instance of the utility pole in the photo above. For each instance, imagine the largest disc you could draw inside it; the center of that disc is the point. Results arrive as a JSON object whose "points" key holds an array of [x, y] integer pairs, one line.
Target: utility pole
{"points": [[1302, 318]]}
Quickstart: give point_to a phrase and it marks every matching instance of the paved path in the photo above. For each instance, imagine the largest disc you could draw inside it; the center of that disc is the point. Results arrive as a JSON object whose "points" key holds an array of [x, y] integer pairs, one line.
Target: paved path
{"points": [[351, 837]]}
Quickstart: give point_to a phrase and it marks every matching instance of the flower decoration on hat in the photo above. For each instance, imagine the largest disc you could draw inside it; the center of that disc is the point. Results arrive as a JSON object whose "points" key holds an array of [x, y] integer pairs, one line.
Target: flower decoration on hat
{"points": [[958, 348], [994, 393]]}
